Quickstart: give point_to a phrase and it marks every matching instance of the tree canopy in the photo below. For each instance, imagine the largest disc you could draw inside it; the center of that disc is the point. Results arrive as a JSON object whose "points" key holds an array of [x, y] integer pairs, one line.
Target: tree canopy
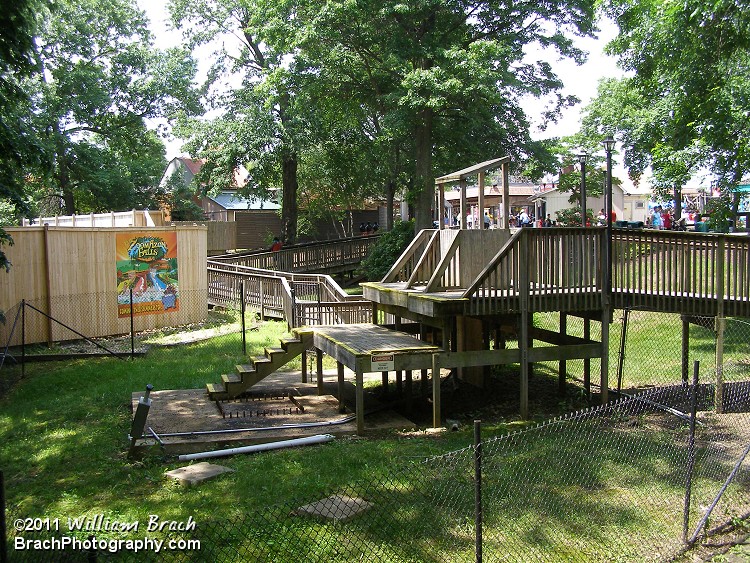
{"points": [[411, 86], [686, 101]]}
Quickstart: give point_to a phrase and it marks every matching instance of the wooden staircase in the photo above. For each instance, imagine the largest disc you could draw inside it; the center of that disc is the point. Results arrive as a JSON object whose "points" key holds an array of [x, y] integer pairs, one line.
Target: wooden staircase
{"points": [[260, 367]]}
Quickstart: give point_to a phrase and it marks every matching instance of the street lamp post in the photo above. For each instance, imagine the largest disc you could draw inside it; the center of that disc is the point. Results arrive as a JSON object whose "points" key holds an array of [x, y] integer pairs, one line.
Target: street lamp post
{"points": [[582, 158], [609, 145]]}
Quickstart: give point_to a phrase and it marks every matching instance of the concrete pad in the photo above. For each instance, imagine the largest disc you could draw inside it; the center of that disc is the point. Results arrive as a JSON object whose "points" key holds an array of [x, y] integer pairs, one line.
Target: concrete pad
{"points": [[194, 474], [335, 507]]}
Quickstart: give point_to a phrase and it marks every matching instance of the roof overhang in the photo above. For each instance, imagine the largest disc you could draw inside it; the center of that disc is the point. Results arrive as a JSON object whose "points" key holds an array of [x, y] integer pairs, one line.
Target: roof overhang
{"points": [[472, 170]]}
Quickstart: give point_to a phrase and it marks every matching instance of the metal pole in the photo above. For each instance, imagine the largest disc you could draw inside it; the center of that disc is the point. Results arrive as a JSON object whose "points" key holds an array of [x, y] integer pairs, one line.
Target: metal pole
{"points": [[621, 359], [478, 489], [132, 327], [691, 452], [608, 211], [3, 531], [242, 314], [583, 192], [23, 337]]}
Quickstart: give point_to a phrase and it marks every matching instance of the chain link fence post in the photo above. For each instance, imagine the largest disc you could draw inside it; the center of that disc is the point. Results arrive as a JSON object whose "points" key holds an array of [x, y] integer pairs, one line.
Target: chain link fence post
{"points": [[3, 531], [691, 452], [478, 489], [242, 315]]}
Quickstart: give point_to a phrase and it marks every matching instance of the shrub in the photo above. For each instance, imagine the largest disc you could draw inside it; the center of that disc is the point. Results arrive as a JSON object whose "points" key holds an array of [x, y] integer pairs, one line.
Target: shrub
{"points": [[387, 250]]}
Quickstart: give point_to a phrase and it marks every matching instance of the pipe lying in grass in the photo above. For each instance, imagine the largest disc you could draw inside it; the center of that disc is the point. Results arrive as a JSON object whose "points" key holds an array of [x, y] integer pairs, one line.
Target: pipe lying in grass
{"points": [[308, 441], [262, 429]]}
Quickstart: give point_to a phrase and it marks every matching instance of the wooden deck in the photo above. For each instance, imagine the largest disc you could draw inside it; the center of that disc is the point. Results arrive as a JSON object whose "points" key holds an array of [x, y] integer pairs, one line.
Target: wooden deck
{"points": [[360, 346]]}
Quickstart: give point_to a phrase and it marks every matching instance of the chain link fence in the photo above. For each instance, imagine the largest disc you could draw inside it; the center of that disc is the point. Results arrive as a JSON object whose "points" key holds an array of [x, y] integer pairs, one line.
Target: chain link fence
{"points": [[637, 479], [622, 482]]}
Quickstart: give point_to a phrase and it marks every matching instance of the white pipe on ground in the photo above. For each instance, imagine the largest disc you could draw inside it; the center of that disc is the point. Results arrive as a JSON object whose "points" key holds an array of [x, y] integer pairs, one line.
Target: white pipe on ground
{"points": [[307, 441]]}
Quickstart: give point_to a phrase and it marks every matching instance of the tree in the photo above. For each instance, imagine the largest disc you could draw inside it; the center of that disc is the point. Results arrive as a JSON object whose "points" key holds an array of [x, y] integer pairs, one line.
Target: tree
{"points": [[449, 73], [97, 81], [261, 125], [17, 149], [179, 199], [687, 102]]}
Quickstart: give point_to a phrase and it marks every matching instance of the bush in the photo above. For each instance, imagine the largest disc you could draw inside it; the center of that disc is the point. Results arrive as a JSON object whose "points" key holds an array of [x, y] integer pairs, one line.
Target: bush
{"points": [[389, 247]]}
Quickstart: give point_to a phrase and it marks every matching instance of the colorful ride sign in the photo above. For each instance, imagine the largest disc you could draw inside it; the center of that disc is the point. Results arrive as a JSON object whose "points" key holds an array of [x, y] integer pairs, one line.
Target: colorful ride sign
{"points": [[147, 273]]}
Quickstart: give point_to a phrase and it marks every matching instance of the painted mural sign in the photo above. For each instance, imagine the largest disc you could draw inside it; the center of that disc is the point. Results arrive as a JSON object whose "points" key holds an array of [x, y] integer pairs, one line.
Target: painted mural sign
{"points": [[147, 264]]}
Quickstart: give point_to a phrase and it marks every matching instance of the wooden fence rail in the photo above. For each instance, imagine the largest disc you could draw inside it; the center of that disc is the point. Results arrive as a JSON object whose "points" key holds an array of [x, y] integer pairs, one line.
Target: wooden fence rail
{"points": [[300, 299], [330, 256]]}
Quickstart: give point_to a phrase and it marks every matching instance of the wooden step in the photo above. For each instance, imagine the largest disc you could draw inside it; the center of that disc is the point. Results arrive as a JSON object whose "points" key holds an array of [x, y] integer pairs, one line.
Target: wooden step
{"points": [[215, 388], [260, 360], [287, 342], [245, 368], [229, 378], [271, 351]]}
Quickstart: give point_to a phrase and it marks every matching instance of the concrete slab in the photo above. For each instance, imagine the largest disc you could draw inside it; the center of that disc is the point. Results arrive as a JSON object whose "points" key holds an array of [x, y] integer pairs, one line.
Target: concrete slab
{"points": [[335, 507], [197, 473], [187, 421]]}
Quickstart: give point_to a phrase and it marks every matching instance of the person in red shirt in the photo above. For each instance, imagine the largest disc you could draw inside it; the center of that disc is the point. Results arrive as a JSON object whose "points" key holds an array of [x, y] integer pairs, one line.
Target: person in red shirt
{"points": [[276, 245], [666, 219]]}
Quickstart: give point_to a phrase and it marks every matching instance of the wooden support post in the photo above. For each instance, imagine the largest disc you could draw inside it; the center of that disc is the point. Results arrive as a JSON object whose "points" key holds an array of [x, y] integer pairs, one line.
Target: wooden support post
{"points": [[374, 313], [304, 366], [319, 369], [719, 398], [463, 210], [423, 373], [436, 418], [340, 373], [506, 196], [562, 366], [685, 348], [720, 323], [523, 336], [359, 401], [384, 383], [605, 355], [587, 361], [399, 382], [480, 201], [409, 391]]}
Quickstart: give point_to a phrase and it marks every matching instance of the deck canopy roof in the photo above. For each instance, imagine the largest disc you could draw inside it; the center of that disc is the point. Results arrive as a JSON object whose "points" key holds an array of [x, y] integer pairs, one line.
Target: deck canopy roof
{"points": [[472, 170], [460, 177]]}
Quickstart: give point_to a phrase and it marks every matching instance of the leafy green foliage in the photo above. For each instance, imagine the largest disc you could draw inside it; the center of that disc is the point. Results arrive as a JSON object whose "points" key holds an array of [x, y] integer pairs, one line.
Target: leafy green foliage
{"points": [[179, 199], [96, 81], [685, 105], [388, 249]]}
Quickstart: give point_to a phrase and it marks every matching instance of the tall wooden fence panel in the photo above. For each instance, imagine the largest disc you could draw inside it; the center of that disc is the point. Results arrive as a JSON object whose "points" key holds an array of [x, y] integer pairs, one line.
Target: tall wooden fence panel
{"points": [[71, 274]]}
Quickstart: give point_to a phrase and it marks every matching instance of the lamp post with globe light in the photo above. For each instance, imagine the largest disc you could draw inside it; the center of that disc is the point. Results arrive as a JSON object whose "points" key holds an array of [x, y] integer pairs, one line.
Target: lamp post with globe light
{"points": [[609, 145], [582, 157]]}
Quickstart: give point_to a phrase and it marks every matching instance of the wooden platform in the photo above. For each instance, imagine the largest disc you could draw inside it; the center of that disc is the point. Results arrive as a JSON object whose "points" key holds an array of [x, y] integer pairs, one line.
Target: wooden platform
{"points": [[361, 346]]}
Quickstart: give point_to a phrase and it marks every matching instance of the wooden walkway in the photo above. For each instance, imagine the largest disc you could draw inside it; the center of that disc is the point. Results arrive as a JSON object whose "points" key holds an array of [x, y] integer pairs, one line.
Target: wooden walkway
{"points": [[464, 285]]}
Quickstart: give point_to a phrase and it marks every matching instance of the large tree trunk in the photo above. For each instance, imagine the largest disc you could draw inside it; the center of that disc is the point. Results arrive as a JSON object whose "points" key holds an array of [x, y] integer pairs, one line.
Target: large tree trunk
{"points": [[390, 194], [425, 182], [62, 174], [289, 198]]}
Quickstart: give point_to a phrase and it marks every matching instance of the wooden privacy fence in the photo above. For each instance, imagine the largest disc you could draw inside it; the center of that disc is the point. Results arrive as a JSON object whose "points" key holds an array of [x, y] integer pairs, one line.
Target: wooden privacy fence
{"points": [[299, 299], [71, 275], [330, 256], [220, 235]]}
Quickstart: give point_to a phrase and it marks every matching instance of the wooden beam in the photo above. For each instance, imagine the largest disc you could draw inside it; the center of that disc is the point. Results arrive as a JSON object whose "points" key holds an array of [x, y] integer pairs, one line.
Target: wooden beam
{"points": [[359, 402], [340, 373], [462, 185], [436, 417], [506, 196], [480, 200], [434, 284]]}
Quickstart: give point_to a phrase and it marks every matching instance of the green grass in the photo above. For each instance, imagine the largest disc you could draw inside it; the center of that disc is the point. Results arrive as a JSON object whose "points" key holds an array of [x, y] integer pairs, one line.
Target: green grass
{"points": [[63, 452]]}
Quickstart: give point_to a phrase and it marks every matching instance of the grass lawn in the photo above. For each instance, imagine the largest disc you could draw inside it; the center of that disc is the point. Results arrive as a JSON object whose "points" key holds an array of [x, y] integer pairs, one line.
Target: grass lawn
{"points": [[63, 445]]}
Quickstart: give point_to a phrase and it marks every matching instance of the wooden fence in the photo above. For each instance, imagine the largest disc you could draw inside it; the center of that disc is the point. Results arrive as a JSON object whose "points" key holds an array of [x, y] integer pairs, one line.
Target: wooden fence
{"points": [[300, 299], [220, 236], [330, 256], [689, 273], [133, 218], [71, 275]]}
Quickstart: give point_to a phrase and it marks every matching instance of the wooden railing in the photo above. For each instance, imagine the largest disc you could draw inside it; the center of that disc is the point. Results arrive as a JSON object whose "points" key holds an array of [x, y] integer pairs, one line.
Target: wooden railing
{"points": [[405, 266], [690, 273], [300, 299], [328, 256], [551, 269]]}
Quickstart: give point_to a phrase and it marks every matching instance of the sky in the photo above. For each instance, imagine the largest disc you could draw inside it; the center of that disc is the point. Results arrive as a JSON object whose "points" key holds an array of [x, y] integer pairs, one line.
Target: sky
{"points": [[580, 81]]}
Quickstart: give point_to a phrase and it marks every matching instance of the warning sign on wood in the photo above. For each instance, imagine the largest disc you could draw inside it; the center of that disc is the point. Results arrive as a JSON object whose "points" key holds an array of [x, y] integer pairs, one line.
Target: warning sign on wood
{"points": [[382, 362]]}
